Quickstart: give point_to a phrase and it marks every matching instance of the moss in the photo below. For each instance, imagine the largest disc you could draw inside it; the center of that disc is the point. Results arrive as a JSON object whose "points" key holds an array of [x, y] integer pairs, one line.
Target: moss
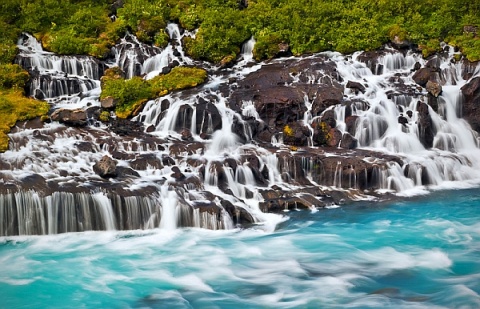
{"points": [[15, 107], [178, 78], [12, 76], [288, 131], [132, 93], [104, 116]]}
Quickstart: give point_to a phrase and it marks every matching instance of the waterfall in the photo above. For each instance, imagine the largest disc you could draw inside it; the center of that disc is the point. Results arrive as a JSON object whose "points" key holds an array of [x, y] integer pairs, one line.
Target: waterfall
{"points": [[212, 157]]}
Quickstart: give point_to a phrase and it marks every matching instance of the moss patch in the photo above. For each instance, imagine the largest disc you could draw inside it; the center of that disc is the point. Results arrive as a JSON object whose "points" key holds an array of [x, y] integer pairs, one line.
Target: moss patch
{"points": [[15, 107], [133, 93]]}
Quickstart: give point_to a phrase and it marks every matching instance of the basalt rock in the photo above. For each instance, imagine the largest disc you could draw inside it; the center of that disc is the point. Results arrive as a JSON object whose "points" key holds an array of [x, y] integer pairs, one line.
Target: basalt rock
{"points": [[424, 75], [471, 103], [425, 125]]}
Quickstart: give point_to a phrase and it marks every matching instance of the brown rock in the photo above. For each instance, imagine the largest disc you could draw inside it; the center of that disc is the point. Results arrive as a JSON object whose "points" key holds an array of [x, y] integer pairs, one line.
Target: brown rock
{"points": [[109, 103], [433, 88], [106, 167], [75, 117]]}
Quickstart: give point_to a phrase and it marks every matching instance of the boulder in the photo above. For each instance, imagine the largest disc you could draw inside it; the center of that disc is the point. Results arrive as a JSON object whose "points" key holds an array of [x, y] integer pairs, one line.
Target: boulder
{"points": [[348, 141], [106, 167], [471, 103], [423, 75], [357, 87], [335, 137], [109, 103], [71, 117], [433, 88], [425, 125]]}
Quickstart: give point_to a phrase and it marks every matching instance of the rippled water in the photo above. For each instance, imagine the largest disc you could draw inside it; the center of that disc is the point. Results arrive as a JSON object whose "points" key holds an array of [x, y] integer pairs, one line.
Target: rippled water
{"points": [[420, 253]]}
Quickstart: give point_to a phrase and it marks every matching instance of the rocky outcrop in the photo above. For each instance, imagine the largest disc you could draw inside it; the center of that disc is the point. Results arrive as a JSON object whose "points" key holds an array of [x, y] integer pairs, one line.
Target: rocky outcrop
{"points": [[471, 103], [433, 88], [425, 125]]}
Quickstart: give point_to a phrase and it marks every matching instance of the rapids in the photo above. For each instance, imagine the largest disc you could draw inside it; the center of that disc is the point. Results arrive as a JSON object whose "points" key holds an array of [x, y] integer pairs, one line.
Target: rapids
{"points": [[418, 253]]}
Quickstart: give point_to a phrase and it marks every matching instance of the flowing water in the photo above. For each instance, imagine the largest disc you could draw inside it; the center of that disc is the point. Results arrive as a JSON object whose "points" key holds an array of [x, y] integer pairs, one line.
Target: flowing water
{"points": [[418, 253]]}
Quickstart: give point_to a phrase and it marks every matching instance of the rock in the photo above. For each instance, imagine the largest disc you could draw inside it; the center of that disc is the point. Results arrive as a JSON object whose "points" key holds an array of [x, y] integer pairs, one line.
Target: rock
{"points": [[355, 86], [106, 167], [109, 103], [75, 117], [326, 96], [434, 88], [145, 161], [417, 66], [296, 134], [351, 123], [335, 137], [425, 125], [177, 174], [186, 135], [471, 103], [402, 120], [422, 76], [348, 141]]}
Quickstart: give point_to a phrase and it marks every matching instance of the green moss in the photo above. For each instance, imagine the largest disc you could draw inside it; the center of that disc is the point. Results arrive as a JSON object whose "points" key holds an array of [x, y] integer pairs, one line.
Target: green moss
{"points": [[132, 93], [104, 116], [15, 107], [12, 76]]}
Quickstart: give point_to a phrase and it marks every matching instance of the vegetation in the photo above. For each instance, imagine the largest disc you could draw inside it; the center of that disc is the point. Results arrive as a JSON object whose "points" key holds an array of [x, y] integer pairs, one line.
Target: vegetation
{"points": [[15, 107], [304, 26], [85, 26], [133, 93]]}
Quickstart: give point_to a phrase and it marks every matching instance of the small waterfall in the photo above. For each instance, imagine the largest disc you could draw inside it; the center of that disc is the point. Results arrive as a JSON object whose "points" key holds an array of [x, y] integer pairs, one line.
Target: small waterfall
{"points": [[246, 53], [72, 80]]}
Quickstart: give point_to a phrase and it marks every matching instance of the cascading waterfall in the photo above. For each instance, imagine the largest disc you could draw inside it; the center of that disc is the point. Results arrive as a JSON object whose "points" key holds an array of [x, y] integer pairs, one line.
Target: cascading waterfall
{"points": [[70, 80], [206, 169]]}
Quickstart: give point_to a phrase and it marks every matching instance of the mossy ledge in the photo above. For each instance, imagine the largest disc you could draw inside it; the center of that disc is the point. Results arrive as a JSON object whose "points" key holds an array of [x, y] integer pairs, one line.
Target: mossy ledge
{"points": [[131, 94], [14, 106]]}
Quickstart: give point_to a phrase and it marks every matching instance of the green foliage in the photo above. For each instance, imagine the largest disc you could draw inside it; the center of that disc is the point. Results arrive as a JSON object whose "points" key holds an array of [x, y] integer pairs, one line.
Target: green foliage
{"points": [[15, 107], [104, 116], [132, 93], [12, 76]]}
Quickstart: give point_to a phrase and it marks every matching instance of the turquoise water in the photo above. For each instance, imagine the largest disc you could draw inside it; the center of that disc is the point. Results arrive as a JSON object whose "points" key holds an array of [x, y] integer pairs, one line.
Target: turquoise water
{"points": [[420, 253]]}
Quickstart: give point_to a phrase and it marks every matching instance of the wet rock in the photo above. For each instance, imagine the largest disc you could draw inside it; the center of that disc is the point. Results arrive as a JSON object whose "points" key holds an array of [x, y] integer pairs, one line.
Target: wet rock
{"points": [[425, 125], [146, 161], [75, 117], [186, 135], [335, 137], [327, 96], [434, 88], [106, 167], [296, 134], [351, 123], [471, 103], [357, 87], [348, 141], [423, 75], [177, 174], [208, 118], [417, 66], [123, 171]]}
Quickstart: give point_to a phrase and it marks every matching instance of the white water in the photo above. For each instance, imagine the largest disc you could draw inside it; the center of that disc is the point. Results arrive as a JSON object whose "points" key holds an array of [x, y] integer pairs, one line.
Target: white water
{"points": [[452, 162]]}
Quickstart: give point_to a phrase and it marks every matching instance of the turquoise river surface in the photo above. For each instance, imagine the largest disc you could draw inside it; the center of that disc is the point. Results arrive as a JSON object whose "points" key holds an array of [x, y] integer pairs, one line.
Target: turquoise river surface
{"points": [[421, 252]]}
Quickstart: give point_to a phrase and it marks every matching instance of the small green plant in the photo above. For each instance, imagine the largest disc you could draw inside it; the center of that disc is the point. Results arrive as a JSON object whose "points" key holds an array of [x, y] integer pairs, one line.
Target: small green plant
{"points": [[104, 116]]}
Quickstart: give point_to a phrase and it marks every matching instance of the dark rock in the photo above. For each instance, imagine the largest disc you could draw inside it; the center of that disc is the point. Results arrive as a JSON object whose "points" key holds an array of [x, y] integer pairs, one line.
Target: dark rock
{"points": [[402, 120], [425, 125], [296, 134], [471, 103], [123, 171], [106, 167], [335, 137], [355, 86], [177, 174], [351, 123], [145, 161], [327, 96], [186, 135], [422, 76], [348, 141], [417, 66]]}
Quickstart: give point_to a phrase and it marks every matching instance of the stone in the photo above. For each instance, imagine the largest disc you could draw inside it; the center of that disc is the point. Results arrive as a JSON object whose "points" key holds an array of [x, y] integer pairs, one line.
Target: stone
{"points": [[423, 75], [106, 167], [109, 103], [434, 88], [357, 87], [75, 117], [471, 103]]}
